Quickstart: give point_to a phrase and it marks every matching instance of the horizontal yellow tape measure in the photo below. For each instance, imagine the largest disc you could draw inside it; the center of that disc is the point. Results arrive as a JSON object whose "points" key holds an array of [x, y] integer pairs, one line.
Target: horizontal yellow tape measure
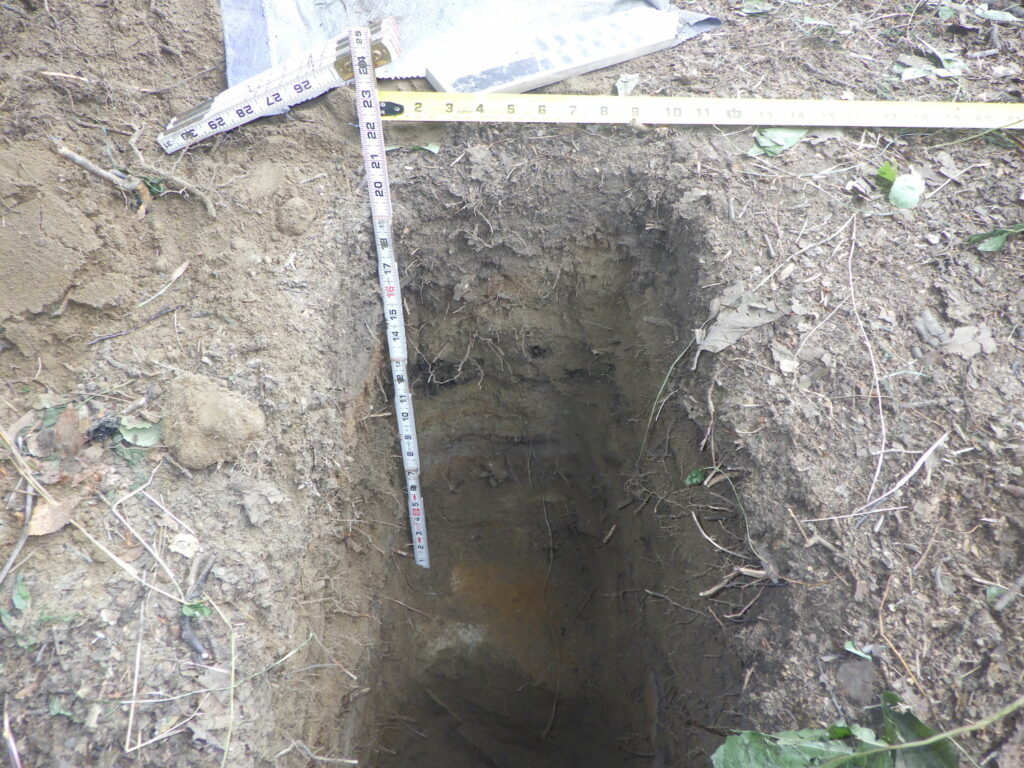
{"points": [[412, 106]]}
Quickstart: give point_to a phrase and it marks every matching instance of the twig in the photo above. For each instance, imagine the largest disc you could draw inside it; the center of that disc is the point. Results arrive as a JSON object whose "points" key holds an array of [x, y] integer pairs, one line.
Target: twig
{"points": [[852, 514], [22, 538], [871, 355], [153, 553], [410, 608], [186, 186], [174, 276], [9, 742], [231, 684], [135, 677], [235, 684], [714, 543], [673, 602], [311, 755], [147, 321], [125, 185], [906, 478], [119, 182]]}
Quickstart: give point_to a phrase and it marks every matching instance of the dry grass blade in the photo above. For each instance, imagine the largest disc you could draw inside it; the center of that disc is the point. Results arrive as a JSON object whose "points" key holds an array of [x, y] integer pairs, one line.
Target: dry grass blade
{"points": [[875, 383], [26, 472], [9, 742], [174, 276]]}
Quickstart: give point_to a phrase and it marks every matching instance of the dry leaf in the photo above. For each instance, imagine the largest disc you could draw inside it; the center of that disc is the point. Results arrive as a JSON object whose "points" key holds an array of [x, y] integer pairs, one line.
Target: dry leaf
{"points": [[185, 544], [969, 340], [27, 690], [68, 435], [48, 518], [733, 322]]}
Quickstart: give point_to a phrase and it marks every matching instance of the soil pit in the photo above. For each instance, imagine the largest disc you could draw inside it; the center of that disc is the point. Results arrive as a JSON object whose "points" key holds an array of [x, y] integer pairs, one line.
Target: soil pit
{"points": [[547, 632]]}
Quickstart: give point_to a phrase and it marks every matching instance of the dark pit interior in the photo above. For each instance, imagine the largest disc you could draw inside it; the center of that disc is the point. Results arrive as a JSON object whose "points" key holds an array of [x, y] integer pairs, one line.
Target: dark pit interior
{"points": [[555, 626]]}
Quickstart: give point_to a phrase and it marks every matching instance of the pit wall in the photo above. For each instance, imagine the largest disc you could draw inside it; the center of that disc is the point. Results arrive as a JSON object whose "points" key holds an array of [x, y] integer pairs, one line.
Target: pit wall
{"points": [[551, 626]]}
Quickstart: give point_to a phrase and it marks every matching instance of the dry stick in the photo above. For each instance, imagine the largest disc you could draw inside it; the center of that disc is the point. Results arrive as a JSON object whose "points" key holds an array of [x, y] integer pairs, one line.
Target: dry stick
{"points": [[186, 186], [714, 543], [153, 553], [123, 184], [174, 276], [963, 730], [899, 484], [135, 677], [174, 730], [22, 538], [676, 604], [246, 679], [148, 320], [231, 684], [871, 355], [9, 742]]}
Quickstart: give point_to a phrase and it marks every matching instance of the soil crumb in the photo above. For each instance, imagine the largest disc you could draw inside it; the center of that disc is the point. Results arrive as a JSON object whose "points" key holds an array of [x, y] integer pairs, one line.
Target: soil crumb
{"points": [[208, 423]]}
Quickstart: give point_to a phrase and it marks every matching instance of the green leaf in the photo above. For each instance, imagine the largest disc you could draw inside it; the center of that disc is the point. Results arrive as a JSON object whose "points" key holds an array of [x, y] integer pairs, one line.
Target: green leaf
{"points": [[695, 477], [849, 646], [900, 725], [886, 175], [134, 456], [196, 610], [155, 185], [8, 620], [50, 415], [906, 190], [431, 148], [56, 707], [20, 597], [993, 593], [946, 12], [789, 749], [139, 432], [995, 239], [756, 7], [53, 618], [775, 141]]}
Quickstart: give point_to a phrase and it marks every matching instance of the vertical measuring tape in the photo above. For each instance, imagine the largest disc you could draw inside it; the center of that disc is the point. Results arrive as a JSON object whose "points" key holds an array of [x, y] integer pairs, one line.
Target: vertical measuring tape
{"points": [[371, 137]]}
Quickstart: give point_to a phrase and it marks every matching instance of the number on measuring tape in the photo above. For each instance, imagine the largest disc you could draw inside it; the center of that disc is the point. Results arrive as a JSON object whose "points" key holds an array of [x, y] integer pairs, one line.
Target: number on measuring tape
{"points": [[277, 89], [672, 110], [371, 139]]}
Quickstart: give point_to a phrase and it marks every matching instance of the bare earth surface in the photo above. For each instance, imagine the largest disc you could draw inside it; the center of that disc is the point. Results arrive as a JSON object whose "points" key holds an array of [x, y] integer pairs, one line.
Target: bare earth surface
{"points": [[200, 385]]}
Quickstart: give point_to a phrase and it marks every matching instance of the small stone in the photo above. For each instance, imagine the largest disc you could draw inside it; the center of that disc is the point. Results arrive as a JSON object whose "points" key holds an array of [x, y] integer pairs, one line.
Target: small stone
{"points": [[294, 217]]}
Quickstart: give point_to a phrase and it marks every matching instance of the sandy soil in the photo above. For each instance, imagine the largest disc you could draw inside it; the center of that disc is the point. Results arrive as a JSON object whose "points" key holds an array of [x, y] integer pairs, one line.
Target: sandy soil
{"points": [[554, 277]]}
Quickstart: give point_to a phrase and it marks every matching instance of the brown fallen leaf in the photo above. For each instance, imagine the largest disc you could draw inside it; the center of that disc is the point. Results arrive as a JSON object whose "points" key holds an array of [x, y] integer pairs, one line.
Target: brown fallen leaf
{"points": [[68, 435], [27, 690], [48, 518]]}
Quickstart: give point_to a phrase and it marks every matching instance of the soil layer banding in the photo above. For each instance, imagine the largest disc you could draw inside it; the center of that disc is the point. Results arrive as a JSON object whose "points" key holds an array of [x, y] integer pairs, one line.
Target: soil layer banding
{"points": [[534, 639]]}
